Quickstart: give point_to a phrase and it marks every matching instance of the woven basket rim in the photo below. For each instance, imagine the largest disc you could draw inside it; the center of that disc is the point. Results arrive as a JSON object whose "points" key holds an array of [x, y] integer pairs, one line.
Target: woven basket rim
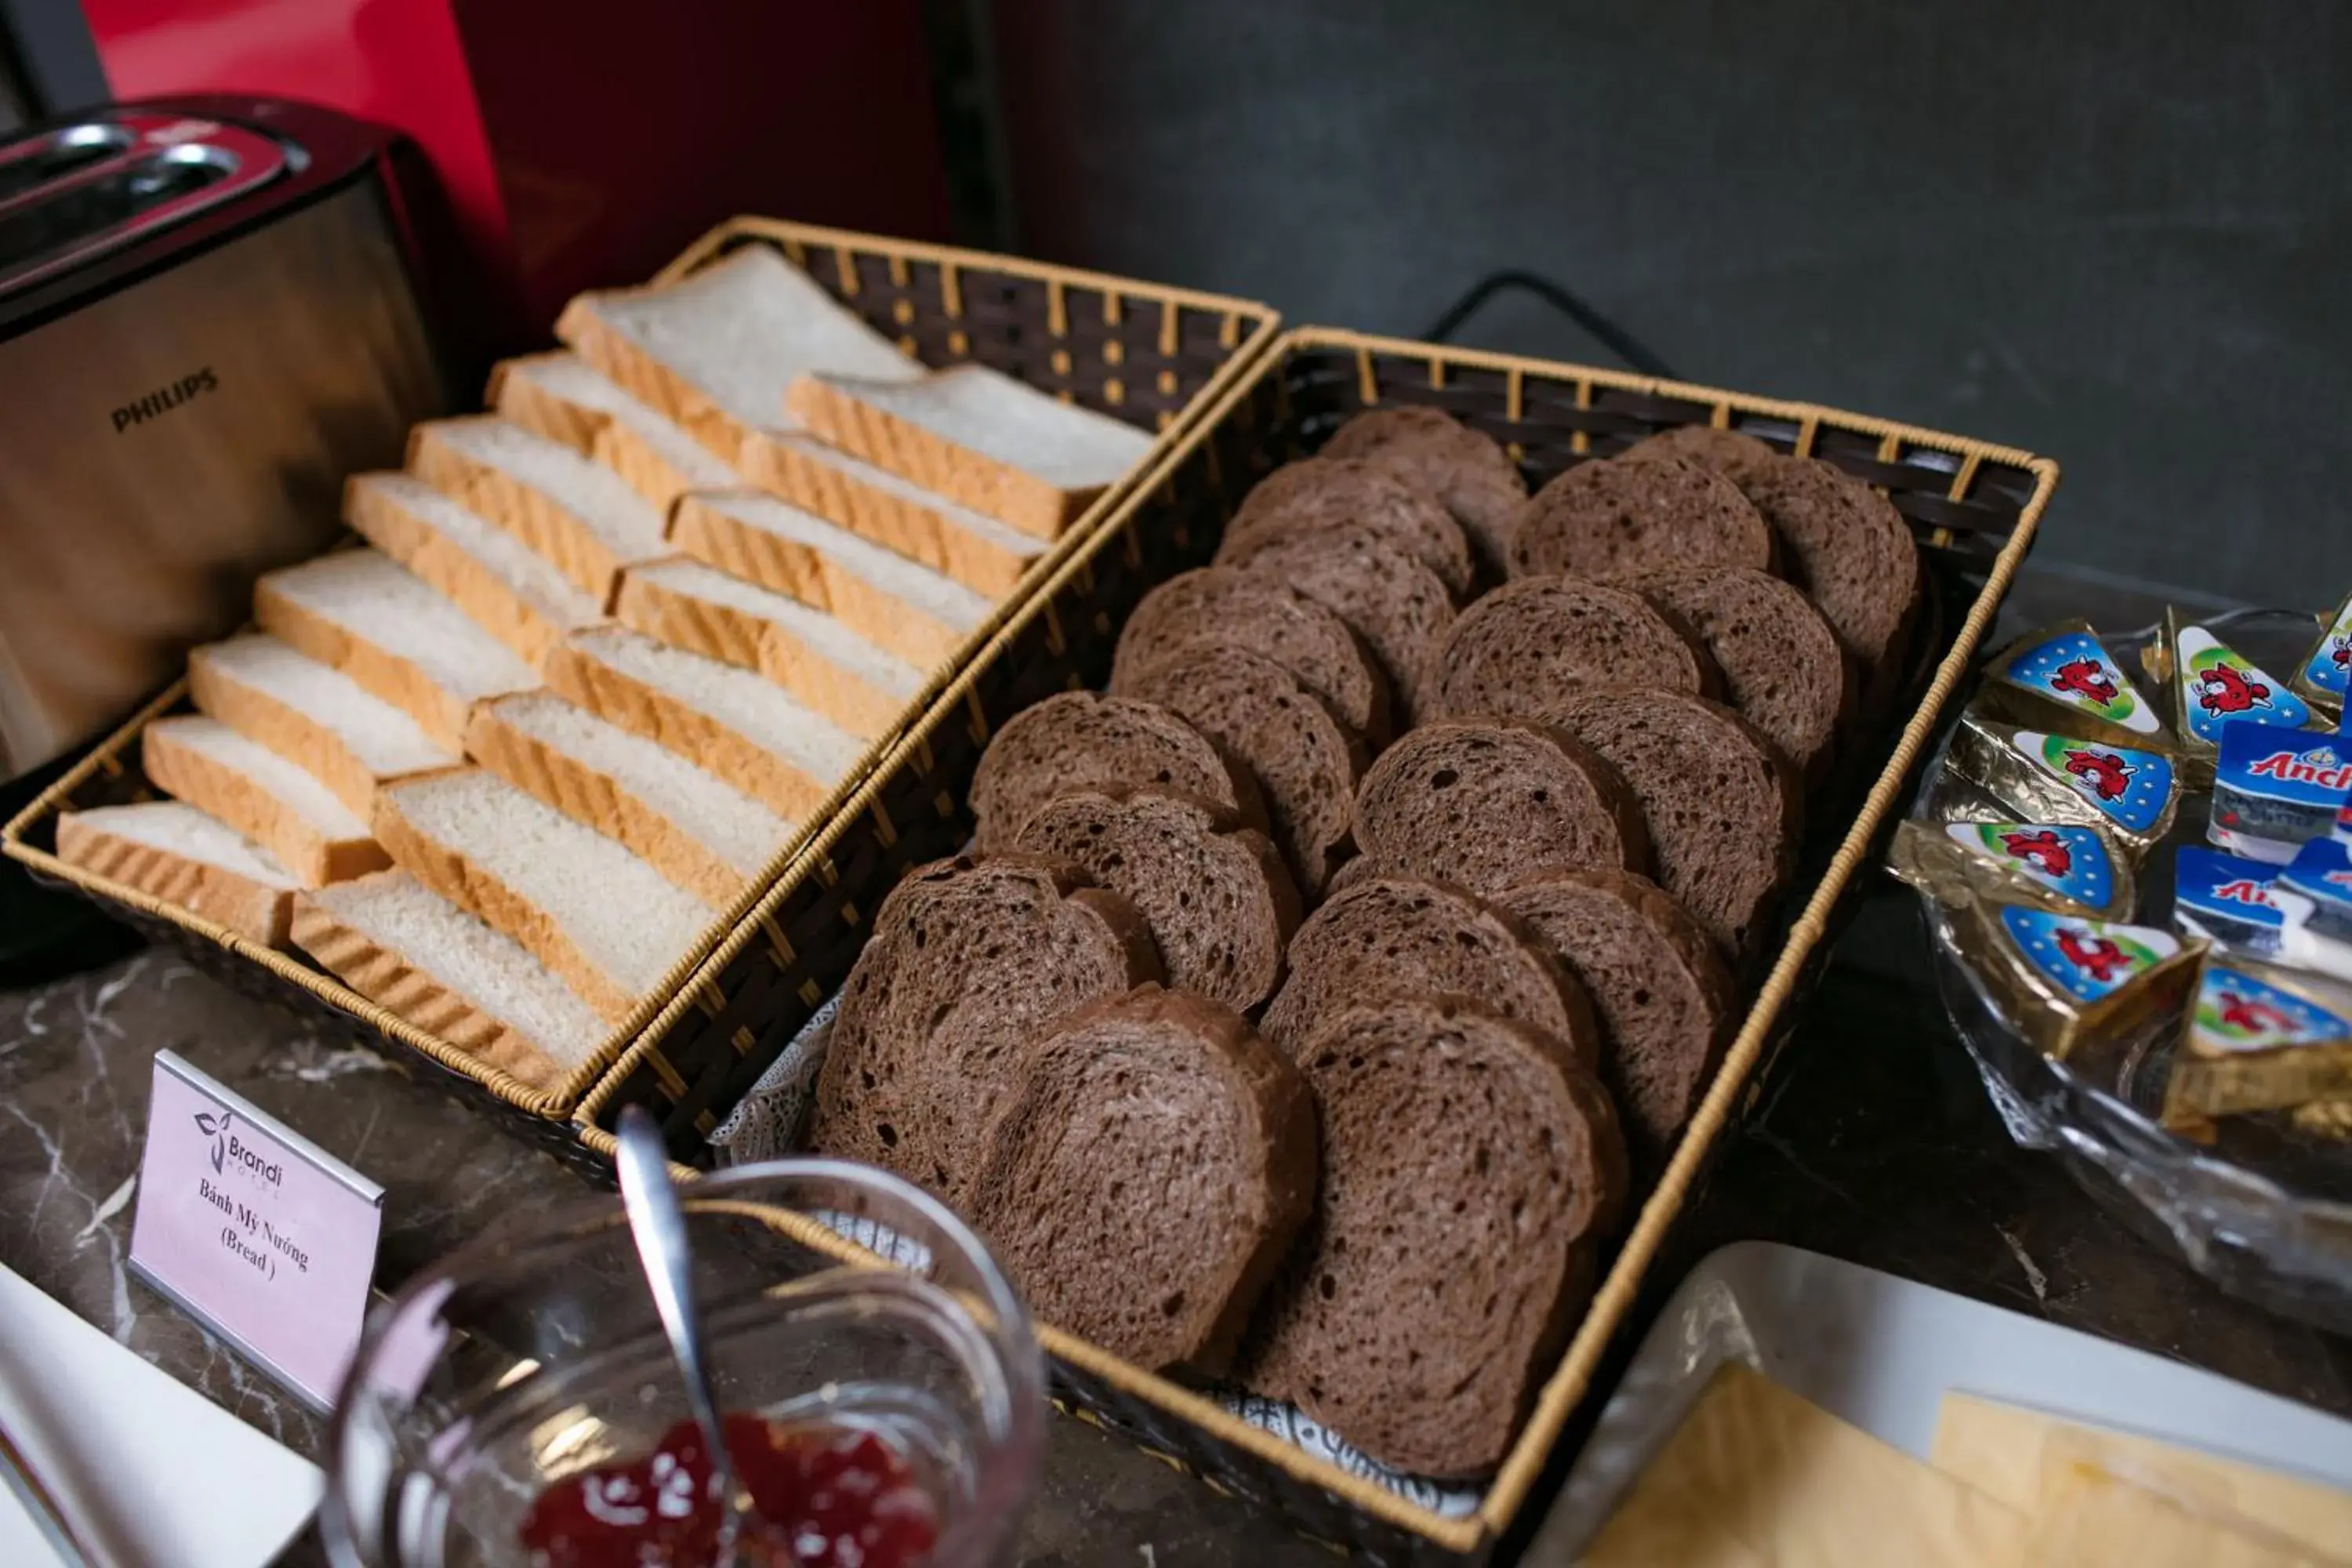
{"points": [[1251, 328], [1566, 1385]]}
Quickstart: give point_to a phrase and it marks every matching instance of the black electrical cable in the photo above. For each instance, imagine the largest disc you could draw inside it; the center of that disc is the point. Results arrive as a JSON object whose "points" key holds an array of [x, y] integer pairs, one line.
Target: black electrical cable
{"points": [[1608, 334]]}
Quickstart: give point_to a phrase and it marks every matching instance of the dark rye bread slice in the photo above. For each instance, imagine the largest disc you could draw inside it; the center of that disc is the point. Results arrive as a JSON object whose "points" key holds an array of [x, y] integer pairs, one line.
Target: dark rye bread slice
{"points": [[1464, 469], [971, 963], [1480, 802], [1082, 740], [1390, 599], [1516, 649], [1306, 762], [1734, 456], [1317, 493], [1469, 1168], [1144, 1183], [1385, 936], [1217, 897], [1847, 547], [1220, 605], [1783, 670], [1607, 517], [1665, 1001], [1721, 802]]}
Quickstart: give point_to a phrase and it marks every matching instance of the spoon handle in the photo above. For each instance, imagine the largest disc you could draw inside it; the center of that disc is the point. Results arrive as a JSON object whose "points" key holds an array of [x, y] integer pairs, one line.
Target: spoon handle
{"points": [[658, 1227]]}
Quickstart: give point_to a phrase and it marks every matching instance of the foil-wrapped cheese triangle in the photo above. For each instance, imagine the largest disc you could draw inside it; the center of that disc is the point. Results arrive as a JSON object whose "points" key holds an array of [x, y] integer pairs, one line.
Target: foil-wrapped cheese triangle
{"points": [[2063, 678], [2209, 684], [2258, 1038], [2047, 777], [2322, 676], [2052, 865], [2064, 982]]}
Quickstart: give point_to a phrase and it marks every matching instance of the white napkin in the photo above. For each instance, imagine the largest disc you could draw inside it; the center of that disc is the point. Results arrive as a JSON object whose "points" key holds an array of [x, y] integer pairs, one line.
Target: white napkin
{"points": [[152, 1473]]}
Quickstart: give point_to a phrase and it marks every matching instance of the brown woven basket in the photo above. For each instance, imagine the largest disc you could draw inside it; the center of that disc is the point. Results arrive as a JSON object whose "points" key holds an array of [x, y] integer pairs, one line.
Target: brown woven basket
{"points": [[1973, 507], [1154, 357]]}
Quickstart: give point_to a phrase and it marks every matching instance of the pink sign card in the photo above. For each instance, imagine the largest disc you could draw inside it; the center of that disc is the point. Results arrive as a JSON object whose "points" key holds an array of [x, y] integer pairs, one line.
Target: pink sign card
{"points": [[257, 1232]]}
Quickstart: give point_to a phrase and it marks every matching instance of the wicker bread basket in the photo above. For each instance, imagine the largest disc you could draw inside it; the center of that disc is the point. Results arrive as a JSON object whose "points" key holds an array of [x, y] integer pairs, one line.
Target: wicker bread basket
{"points": [[1157, 357], [1973, 507]]}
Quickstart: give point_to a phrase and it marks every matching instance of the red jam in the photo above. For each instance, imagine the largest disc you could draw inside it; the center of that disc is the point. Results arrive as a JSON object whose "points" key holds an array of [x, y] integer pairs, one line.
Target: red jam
{"points": [[834, 1497]]}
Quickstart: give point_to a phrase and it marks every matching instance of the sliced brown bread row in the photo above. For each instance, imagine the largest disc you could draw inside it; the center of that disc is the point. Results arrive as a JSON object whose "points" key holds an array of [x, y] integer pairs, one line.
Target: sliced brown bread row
{"points": [[1317, 494], [1469, 472], [1469, 1162], [1269, 619], [1084, 740]]}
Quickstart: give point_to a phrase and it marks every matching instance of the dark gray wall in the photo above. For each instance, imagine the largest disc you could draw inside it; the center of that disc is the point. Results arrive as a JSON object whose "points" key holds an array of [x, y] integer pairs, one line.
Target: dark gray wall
{"points": [[2112, 231]]}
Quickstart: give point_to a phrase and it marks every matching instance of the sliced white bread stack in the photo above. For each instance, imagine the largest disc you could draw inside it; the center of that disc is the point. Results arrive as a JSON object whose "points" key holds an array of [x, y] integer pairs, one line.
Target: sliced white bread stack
{"points": [[806, 651], [566, 399], [921, 615], [716, 351], [361, 612], [740, 726], [315, 717], [978, 437], [509, 590], [317, 837], [701, 832], [608, 924], [170, 850], [413, 953], [570, 508]]}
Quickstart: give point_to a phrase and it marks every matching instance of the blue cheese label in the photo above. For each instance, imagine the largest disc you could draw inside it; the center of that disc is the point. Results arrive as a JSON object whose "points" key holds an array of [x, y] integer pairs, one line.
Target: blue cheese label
{"points": [[2291, 766], [2226, 896], [2070, 861], [2238, 1013], [2087, 960], [2330, 661], [2073, 669], [2130, 788], [2217, 685]]}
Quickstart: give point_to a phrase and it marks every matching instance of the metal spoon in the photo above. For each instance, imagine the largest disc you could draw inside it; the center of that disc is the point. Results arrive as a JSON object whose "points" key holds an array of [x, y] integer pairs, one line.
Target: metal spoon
{"points": [[658, 1225]]}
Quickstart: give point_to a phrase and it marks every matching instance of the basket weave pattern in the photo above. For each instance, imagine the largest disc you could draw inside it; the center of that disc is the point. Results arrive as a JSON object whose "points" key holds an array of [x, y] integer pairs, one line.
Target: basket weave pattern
{"points": [[1973, 508], [1154, 357]]}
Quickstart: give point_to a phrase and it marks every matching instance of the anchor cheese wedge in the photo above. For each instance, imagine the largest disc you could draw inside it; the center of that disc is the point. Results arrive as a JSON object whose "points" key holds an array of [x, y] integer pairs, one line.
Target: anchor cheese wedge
{"points": [[2209, 684], [2313, 894], [2063, 677], [2058, 866], [2275, 789], [2258, 1038], [2225, 898], [2132, 793], [2065, 982]]}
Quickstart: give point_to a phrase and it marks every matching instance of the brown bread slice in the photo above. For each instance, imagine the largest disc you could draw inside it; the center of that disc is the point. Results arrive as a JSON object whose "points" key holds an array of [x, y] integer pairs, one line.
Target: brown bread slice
{"points": [[1782, 668], [1217, 897], [1664, 1000], [1317, 493], [1393, 601], [1480, 802], [1721, 802], [1385, 936], [1469, 1165], [1220, 605], [1083, 740], [1464, 469], [970, 963], [1149, 1175], [1607, 517], [1306, 762], [1516, 649], [1848, 548], [1735, 457]]}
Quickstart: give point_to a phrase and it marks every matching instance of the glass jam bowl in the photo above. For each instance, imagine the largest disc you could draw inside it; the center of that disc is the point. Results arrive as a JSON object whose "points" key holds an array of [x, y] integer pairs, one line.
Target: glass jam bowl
{"points": [[533, 1355]]}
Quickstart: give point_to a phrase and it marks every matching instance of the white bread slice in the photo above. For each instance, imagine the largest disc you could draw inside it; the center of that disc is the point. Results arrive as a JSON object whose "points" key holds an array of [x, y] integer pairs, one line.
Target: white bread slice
{"points": [[510, 590], [317, 837], [170, 850], [608, 924], [698, 831], [806, 651], [314, 716], [574, 511], [416, 955], [896, 604], [361, 612], [986, 555], [734, 723], [977, 435], [566, 399], [715, 350]]}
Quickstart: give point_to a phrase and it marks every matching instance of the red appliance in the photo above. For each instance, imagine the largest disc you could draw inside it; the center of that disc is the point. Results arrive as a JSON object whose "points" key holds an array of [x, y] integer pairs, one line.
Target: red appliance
{"points": [[583, 142]]}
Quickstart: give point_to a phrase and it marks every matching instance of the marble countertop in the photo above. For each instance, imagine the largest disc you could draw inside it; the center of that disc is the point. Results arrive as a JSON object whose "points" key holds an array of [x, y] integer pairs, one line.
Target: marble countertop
{"points": [[1874, 1143]]}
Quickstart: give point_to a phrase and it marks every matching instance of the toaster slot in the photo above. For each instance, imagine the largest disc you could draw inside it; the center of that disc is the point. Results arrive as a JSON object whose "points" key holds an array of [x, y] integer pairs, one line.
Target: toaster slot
{"points": [[38, 160]]}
